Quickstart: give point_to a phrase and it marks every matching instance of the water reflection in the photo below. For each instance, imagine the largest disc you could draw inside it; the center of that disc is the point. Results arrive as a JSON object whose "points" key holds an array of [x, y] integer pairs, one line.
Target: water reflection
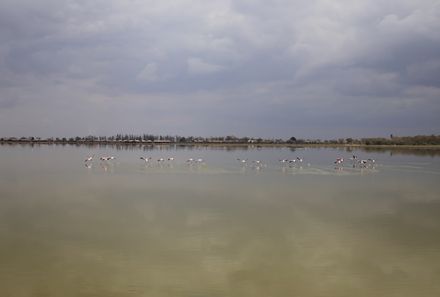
{"points": [[219, 229], [432, 152], [396, 150]]}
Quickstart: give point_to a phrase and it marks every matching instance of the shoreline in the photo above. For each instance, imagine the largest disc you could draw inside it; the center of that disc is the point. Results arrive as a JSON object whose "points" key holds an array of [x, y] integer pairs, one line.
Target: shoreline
{"points": [[219, 144]]}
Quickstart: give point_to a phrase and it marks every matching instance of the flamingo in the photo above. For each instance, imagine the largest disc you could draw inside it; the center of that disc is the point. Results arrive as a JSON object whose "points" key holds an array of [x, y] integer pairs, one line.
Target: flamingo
{"points": [[88, 159], [367, 162], [107, 158], [339, 160], [258, 164], [363, 162]]}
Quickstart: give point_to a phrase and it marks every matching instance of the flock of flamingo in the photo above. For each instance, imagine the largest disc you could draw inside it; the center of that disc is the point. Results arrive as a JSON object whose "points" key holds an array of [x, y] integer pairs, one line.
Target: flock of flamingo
{"points": [[147, 160], [354, 161]]}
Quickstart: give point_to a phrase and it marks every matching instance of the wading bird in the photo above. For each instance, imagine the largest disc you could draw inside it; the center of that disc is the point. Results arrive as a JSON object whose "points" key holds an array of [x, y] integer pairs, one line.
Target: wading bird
{"points": [[339, 161], [88, 159], [107, 158], [363, 162]]}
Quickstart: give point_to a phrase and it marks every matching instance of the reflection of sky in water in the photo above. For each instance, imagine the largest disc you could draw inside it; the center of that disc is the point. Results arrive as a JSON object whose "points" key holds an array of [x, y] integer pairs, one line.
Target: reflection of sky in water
{"points": [[216, 229]]}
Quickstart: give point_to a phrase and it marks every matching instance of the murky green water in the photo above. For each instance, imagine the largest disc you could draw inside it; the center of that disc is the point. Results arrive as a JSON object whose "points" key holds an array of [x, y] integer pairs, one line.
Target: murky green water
{"points": [[218, 228]]}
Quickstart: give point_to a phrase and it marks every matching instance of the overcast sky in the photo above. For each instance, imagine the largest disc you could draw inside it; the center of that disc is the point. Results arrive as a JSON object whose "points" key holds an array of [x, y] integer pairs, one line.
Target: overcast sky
{"points": [[280, 68]]}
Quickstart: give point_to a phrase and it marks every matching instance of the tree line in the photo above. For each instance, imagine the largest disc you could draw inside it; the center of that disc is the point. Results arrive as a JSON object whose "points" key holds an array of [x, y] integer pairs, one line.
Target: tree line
{"points": [[175, 139]]}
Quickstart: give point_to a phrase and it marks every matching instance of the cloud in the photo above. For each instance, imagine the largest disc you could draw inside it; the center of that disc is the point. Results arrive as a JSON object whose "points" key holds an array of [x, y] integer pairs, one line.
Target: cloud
{"points": [[149, 73], [325, 59], [197, 66]]}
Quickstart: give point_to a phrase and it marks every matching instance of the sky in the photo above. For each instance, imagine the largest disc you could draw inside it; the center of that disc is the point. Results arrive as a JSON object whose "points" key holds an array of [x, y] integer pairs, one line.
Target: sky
{"points": [[304, 68]]}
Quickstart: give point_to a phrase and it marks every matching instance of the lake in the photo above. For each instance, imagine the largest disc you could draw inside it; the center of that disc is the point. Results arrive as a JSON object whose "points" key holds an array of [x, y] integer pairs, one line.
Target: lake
{"points": [[219, 227]]}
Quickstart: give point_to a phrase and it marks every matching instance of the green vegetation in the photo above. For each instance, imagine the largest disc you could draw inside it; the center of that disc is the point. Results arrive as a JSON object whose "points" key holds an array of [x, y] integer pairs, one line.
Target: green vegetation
{"points": [[230, 139]]}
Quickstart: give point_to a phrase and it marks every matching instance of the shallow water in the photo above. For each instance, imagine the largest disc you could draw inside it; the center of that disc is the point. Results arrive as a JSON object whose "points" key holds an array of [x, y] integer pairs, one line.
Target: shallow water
{"points": [[127, 228]]}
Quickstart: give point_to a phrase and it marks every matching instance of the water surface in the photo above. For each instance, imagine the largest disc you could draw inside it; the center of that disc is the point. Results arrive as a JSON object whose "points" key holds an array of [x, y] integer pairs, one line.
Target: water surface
{"points": [[218, 228]]}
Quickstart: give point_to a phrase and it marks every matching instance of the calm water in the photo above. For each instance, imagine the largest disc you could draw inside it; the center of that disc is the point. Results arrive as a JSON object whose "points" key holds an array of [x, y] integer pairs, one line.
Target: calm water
{"points": [[126, 228]]}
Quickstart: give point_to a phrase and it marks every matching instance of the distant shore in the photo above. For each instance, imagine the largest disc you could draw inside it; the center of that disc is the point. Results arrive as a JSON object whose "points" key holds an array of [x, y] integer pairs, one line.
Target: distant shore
{"points": [[214, 144]]}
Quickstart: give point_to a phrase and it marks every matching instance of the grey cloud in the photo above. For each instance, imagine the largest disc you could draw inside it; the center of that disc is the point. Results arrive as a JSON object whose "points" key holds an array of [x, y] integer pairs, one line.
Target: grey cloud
{"points": [[264, 66], [7, 102]]}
